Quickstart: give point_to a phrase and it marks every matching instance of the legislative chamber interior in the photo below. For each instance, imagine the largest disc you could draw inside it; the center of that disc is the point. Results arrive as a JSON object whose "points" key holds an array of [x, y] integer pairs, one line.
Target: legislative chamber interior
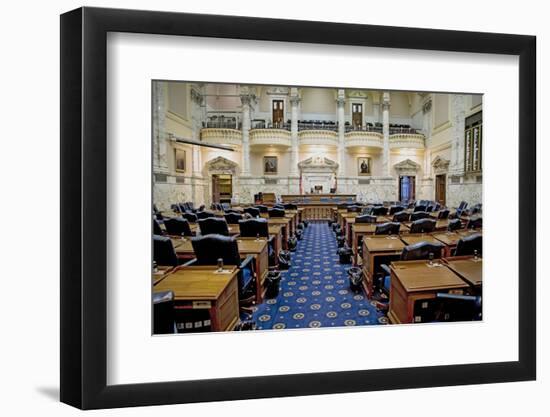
{"points": [[294, 207]]}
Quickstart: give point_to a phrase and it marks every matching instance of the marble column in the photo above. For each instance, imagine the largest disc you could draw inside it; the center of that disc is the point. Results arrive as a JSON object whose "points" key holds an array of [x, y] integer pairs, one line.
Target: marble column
{"points": [[386, 134], [160, 159], [197, 119], [341, 102], [458, 112], [246, 102], [294, 102]]}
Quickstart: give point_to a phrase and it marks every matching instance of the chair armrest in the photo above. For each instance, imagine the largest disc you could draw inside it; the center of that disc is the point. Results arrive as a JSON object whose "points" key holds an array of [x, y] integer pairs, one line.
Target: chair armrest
{"points": [[249, 260], [386, 269]]}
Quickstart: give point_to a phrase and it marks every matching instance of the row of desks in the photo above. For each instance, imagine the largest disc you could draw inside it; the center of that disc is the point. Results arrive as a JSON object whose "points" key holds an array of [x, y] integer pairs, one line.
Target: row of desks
{"points": [[383, 249]]}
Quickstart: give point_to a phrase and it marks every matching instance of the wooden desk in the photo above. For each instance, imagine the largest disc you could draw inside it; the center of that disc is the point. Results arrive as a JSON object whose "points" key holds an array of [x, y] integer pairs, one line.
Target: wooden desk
{"points": [[283, 222], [357, 231], [202, 287], [467, 268], [469, 232], [417, 238], [449, 239], [413, 281], [378, 250], [351, 221], [440, 225], [275, 230], [247, 246], [162, 272]]}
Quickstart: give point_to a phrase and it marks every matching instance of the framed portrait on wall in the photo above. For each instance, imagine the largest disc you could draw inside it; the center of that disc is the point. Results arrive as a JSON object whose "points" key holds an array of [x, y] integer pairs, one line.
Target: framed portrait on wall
{"points": [[180, 160], [363, 166], [270, 165]]}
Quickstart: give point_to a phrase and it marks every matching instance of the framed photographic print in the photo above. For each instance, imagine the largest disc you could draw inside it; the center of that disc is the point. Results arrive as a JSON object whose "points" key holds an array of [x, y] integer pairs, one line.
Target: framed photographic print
{"points": [[411, 257], [180, 160], [270, 165], [363, 166]]}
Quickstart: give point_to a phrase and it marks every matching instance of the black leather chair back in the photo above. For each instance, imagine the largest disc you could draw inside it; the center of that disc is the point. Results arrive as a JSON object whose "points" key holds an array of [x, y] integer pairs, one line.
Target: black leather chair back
{"points": [[354, 209], [462, 205], [290, 206], [156, 228], [276, 212], [388, 228], [209, 248], [379, 211], [401, 216], [419, 208], [163, 251], [417, 215], [475, 223], [423, 226], [233, 218], [190, 217], [163, 312], [422, 250], [365, 218], [205, 214], [467, 245], [396, 209], [177, 226], [454, 224], [213, 225], [254, 227], [262, 208], [443, 214], [253, 211]]}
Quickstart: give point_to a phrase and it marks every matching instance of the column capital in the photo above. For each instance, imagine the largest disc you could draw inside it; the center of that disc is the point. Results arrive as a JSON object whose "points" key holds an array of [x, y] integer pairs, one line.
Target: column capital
{"points": [[295, 100]]}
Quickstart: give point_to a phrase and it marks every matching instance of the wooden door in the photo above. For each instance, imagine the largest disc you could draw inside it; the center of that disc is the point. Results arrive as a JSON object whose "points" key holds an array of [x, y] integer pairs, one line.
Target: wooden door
{"points": [[278, 113], [357, 115], [441, 189], [407, 189], [215, 189]]}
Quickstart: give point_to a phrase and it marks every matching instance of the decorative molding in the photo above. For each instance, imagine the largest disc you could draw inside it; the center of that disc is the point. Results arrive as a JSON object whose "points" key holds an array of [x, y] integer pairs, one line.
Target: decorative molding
{"points": [[318, 163], [278, 91], [407, 167], [427, 106], [318, 137], [222, 136], [221, 165], [440, 165], [356, 139], [270, 137], [407, 140]]}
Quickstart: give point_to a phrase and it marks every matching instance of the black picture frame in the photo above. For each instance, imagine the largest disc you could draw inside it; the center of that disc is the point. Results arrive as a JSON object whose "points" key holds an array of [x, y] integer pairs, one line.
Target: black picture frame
{"points": [[84, 207]]}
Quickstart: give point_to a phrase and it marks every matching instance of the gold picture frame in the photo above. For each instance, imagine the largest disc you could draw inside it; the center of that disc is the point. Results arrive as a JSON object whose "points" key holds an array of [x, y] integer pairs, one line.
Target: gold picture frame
{"points": [[179, 158], [271, 165], [364, 165]]}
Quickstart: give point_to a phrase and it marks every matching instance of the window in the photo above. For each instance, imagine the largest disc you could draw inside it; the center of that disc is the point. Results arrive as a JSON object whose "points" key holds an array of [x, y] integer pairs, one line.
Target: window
{"points": [[473, 143]]}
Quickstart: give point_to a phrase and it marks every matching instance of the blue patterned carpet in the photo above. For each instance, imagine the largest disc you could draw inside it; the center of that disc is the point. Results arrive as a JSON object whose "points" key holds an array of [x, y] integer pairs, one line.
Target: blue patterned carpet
{"points": [[315, 290]]}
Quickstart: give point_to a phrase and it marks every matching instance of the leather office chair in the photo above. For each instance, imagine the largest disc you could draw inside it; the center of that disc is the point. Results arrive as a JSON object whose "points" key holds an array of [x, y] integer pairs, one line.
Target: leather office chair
{"points": [[388, 228], [233, 218], [253, 211], [475, 223], [430, 208], [401, 216], [213, 225], [204, 214], [276, 212], [290, 206], [365, 218], [454, 224], [469, 245], [190, 217], [419, 208], [262, 208], [354, 209], [443, 214], [379, 211], [396, 209], [177, 226], [461, 208], [423, 226], [208, 249], [163, 251], [156, 228], [417, 215], [163, 312], [259, 228]]}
